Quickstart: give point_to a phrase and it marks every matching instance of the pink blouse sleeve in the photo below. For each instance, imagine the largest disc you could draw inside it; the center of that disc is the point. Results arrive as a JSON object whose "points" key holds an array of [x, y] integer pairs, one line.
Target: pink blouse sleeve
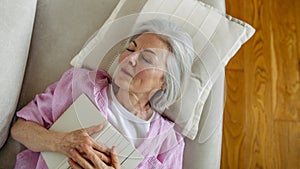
{"points": [[171, 159]]}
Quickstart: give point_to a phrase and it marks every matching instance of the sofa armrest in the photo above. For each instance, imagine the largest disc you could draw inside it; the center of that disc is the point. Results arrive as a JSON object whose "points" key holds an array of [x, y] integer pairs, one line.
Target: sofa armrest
{"points": [[205, 151], [17, 17]]}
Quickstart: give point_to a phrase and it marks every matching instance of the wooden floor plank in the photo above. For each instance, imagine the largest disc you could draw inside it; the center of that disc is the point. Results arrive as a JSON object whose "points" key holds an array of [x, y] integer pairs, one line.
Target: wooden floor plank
{"points": [[287, 144], [258, 147], [293, 145], [285, 66], [233, 121]]}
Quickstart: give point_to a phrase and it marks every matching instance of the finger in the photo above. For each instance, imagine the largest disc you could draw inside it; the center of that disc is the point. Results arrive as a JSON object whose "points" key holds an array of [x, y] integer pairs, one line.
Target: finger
{"points": [[76, 157], [101, 151], [101, 148], [115, 159], [94, 129], [103, 157], [97, 146], [98, 160], [73, 164]]}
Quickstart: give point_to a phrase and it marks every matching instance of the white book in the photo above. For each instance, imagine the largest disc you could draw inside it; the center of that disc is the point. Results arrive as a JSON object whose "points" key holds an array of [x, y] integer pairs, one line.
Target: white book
{"points": [[82, 114]]}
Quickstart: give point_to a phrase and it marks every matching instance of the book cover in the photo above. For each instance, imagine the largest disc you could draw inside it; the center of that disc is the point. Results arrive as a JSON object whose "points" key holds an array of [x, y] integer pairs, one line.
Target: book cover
{"points": [[82, 114]]}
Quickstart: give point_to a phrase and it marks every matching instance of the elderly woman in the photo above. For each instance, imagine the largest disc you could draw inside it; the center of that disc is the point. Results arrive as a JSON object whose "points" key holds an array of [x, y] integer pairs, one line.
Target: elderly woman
{"points": [[146, 82]]}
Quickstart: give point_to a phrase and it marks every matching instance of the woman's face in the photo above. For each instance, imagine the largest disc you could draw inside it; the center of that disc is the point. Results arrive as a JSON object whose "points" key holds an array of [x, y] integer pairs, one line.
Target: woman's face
{"points": [[142, 64]]}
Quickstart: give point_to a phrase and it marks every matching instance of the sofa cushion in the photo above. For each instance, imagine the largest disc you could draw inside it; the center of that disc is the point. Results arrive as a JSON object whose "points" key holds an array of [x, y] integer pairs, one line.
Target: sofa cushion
{"points": [[60, 29], [17, 17]]}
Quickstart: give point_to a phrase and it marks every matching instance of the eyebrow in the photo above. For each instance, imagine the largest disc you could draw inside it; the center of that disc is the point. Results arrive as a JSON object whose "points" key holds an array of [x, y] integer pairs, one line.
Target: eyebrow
{"points": [[146, 50], [150, 51]]}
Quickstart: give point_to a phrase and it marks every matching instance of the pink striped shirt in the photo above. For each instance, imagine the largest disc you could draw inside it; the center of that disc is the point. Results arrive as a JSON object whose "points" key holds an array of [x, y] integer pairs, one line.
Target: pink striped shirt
{"points": [[162, 147]]}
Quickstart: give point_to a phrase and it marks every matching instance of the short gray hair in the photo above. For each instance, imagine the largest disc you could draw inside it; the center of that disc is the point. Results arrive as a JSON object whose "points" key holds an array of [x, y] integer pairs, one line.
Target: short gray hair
{"points": [[178, 67]]}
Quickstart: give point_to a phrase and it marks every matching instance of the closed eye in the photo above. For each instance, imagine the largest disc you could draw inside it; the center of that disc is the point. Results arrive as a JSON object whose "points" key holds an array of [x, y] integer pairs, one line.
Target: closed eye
{"points": [[145, 58], [130, 50]]}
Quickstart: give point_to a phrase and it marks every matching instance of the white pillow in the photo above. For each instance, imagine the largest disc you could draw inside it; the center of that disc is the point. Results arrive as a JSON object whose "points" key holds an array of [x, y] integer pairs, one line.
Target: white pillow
{"points": [[216, 38]]}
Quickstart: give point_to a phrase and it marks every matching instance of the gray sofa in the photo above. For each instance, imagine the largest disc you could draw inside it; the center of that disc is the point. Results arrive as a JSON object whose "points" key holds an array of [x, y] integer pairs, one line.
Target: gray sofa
{"points": [[38, 38]]}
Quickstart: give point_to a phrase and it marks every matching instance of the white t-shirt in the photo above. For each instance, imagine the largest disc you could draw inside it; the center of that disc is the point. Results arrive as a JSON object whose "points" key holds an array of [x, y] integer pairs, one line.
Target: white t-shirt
{"points": [[129, 125]]}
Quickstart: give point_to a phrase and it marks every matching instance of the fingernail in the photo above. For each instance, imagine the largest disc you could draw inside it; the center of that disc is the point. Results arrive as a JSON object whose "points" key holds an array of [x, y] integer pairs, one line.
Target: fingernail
{"points": [[113, 149], [99, 125]]}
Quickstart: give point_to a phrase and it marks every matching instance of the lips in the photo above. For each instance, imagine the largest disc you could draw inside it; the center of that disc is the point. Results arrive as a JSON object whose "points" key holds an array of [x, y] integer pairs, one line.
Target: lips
{"points": [[126, 72]]}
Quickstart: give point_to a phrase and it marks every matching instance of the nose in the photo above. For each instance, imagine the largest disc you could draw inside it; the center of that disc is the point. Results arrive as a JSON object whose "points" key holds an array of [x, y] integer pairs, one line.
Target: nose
{"points": [[133, 58]]}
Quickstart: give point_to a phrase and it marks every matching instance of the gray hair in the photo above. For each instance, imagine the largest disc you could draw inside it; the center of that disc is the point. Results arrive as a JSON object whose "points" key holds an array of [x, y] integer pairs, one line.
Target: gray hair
{"points": [[178, 67]]}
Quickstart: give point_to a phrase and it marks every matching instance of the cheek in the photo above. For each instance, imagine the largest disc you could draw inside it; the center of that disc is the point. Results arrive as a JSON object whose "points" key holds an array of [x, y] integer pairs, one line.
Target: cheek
{"points": [[150, 76], [123, 56]]}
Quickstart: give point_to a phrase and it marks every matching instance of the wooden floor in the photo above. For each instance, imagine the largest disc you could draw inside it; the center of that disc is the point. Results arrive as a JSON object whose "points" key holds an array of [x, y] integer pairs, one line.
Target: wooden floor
{"points": [[262, 109]]}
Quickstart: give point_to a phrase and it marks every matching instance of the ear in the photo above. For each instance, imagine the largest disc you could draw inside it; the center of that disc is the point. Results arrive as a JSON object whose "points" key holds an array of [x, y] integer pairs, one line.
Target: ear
{"points": [[163, 86], [160, 84]]}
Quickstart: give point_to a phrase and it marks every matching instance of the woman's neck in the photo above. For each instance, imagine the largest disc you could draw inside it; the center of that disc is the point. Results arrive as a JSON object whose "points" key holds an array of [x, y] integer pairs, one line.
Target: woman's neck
{"points": [[137, 104]]}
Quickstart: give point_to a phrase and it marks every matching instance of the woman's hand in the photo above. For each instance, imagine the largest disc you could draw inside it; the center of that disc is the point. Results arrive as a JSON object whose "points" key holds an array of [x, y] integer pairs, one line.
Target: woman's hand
{"points": [[97, 163], [80, 146]]}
